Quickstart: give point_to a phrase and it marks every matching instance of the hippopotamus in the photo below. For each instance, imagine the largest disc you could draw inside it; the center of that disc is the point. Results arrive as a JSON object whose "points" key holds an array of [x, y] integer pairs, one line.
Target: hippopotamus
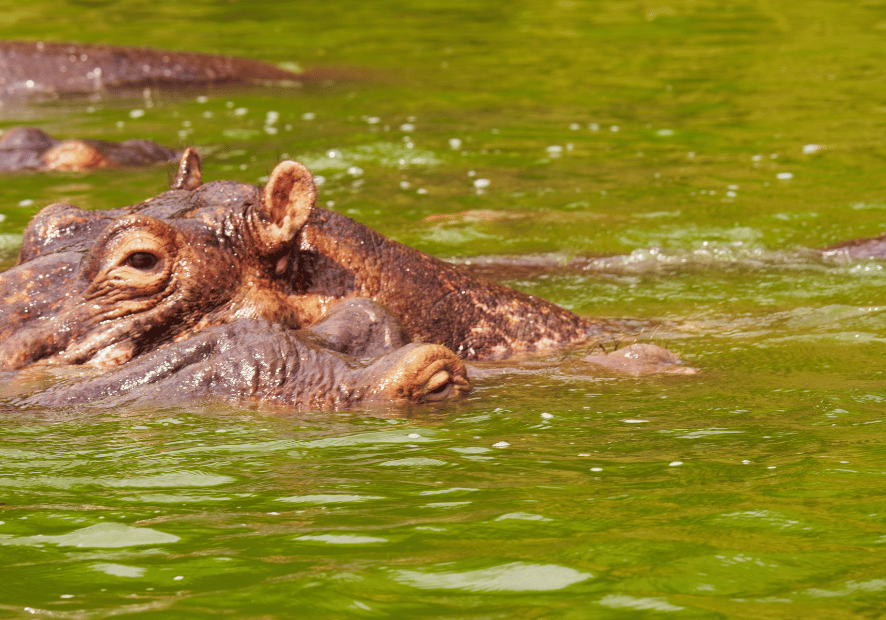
{"points": [[29, 148], [30, 69], [227, 288], [189, 294]]}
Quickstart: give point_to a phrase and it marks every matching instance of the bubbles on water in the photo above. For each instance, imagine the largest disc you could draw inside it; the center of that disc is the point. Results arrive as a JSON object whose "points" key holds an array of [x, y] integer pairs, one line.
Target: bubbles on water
{"points": [[241, 111], [784, 176], [664, 133], [372, 120], [809, 149], [623, 601], [675, 463], [481, 184], [554, 150], [137, 113], [308, 116], [614, 128], [407, 127], [501, 444], [454, 144]]}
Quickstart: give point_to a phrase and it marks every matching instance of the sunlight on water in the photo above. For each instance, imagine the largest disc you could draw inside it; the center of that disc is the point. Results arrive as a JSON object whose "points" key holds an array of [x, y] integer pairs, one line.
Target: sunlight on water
{"points": [[686, 181]]}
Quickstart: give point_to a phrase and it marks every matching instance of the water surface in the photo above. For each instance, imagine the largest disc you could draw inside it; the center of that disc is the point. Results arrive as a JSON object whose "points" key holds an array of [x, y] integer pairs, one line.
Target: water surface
{"points": [[674, 162]]}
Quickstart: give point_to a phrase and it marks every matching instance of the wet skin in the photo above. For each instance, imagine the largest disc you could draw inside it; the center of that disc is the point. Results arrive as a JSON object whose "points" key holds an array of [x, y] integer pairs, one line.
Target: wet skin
{"points": [[29, 69], [182, 296], [29, 148], [225, 275], [330, 258]]}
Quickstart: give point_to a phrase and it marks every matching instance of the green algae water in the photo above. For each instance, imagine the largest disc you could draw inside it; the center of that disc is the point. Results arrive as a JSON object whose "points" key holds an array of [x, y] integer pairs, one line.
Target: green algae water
{"points": [[674, 162]]}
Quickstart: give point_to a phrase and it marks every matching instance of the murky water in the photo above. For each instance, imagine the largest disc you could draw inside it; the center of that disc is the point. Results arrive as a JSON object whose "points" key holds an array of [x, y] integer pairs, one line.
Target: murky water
{"points": [[646, 160]]}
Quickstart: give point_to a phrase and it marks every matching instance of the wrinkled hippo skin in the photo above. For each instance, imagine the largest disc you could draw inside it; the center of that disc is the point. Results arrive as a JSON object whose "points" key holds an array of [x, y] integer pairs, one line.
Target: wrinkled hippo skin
{"points": [[29, 148], [181, 279], [256, 360], [188, 295], [328, 258], [29, 69]]}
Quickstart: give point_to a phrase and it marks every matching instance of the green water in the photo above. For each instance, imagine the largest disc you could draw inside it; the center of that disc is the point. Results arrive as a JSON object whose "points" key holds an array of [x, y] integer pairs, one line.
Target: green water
{"points": [[645, 159]]}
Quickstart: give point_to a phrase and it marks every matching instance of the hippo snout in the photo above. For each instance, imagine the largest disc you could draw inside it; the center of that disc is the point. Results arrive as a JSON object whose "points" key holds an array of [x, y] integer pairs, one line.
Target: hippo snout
{"points": [[417, 373]]}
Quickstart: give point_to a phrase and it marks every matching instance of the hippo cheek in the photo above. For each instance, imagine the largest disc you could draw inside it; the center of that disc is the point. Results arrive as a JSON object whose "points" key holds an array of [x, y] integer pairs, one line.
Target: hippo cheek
{"points": [[417, 373]]}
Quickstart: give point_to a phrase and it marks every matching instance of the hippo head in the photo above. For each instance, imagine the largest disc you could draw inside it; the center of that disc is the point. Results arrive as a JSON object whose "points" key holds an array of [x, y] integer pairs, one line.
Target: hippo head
{"points": [[108, 288], [99, 288]]}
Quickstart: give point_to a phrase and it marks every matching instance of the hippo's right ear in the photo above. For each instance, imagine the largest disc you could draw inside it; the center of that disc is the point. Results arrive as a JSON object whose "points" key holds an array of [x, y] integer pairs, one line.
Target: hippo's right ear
{"points": [[285, 206], [188, 175]]}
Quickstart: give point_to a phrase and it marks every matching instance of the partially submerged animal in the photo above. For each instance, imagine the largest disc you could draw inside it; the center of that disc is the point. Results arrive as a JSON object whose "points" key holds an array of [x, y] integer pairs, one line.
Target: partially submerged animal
{"points": [[227, 288], [29, 69], [182, 296], [29, 148]]}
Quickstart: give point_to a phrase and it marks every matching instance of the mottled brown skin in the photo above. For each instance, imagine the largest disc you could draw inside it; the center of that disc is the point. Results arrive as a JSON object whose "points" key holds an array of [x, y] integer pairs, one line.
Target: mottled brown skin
{"points": [[41, 69], [185, 295], [338, 258], [225, 253], [29, 148]]}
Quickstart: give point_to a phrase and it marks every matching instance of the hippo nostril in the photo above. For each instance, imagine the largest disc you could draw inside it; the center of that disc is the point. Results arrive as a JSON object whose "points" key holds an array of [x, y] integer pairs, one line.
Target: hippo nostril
{"points": [[439, 386]]}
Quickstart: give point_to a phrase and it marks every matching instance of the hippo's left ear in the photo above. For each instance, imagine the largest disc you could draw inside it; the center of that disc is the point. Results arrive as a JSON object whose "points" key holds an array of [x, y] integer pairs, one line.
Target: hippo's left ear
{"points": [[286, 204], [188, 175]]}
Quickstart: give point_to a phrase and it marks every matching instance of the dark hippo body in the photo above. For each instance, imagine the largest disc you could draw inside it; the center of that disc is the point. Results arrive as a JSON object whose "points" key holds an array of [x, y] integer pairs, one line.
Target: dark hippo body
{"points": [[28, 148], [188, 295], [29, 69]]}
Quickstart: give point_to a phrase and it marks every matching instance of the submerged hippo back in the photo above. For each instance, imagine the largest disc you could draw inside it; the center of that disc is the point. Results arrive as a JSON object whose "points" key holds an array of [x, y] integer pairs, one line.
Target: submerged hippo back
{"points": [[35, 68]]}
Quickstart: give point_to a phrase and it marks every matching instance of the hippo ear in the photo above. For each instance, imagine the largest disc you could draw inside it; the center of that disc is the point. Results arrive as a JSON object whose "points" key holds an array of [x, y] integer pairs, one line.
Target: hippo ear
{"points": [[188, 175], [285, 206]]}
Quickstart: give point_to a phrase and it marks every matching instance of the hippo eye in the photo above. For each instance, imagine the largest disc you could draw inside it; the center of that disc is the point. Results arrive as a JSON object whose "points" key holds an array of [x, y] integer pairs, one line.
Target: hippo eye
{"points": [[143, 261]]}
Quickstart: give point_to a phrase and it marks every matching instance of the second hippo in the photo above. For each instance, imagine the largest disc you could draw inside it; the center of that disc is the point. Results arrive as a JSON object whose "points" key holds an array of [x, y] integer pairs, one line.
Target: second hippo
{"points": [[29, 148]]}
